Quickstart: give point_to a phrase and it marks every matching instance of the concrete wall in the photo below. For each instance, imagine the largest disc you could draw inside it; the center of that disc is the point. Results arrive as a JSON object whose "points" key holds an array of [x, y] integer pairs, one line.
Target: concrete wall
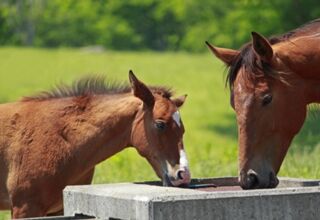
{"points": [[294, 199]]}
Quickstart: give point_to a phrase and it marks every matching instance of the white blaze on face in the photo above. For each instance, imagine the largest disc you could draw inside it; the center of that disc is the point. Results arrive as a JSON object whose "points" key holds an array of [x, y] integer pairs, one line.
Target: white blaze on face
{"points": [[244, 97], [180, 175], [183, 159], [176, 118]]}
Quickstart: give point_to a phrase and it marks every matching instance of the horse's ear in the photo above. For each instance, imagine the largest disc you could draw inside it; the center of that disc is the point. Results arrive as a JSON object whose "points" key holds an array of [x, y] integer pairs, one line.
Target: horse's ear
{"points": [[224, 54], [262, 47], [179, 101], [140, 90]]}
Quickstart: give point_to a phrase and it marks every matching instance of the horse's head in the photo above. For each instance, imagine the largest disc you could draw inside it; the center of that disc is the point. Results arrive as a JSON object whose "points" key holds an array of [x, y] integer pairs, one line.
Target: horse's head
{"points": [[269, 105], [158, 133]]}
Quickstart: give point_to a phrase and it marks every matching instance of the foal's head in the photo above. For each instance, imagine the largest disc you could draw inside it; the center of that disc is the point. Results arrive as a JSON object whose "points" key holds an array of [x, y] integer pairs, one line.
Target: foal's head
{"points": [[158, 133], [270, 107]]}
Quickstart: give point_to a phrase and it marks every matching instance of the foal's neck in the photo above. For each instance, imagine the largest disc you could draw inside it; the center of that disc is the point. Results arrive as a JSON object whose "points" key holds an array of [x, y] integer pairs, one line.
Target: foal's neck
{"points": [[108, 125]]}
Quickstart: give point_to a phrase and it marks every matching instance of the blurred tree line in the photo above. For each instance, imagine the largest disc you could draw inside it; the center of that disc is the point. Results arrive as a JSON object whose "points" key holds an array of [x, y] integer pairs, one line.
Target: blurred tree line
{"points": [[148, 24]]}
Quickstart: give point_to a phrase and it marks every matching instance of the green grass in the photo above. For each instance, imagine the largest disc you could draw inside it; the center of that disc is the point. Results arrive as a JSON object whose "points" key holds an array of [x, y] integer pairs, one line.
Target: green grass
{"points": [[211, 134]]}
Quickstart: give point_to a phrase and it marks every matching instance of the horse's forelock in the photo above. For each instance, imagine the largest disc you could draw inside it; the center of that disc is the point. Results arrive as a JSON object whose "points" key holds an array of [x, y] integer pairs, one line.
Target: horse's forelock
{"points": [[254, 68]]}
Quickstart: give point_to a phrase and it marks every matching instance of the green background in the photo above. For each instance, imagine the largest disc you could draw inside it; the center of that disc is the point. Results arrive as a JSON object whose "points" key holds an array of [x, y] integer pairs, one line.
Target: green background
{"points": [[148, 24], [45, 42]]}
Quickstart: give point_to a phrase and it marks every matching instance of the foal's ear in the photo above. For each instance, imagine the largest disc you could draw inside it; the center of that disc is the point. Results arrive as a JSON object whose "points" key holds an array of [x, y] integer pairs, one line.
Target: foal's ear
{"points": [[262, 47], [179, 101], [140, 90], [224, 54]]}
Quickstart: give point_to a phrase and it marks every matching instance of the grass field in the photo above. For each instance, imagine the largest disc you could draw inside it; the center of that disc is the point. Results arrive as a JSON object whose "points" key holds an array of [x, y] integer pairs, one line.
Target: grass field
{"points": [[211, 134]]}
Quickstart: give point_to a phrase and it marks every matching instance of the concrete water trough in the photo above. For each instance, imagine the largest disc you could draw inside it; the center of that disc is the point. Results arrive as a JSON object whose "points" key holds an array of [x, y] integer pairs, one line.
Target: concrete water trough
{"points": [[213, 198]]}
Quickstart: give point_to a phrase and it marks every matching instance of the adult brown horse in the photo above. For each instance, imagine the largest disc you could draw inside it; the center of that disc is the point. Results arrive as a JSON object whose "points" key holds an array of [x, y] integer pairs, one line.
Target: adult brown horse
{"points": [[271, 81], [55, 139]]}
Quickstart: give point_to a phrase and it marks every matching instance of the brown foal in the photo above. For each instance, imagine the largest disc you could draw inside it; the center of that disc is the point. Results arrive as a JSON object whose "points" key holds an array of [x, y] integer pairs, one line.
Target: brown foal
{"points": [[55, 139]]}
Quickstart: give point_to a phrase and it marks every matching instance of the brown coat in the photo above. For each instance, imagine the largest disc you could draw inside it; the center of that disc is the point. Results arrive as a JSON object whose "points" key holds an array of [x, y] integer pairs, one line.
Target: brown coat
{"points": [[56, 139]]}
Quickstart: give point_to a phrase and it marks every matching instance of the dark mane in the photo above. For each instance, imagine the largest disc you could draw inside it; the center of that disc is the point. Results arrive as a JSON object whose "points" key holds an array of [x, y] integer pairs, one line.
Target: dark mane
{"points": [[92, 85], [254, 67], [303, 29], [248, 59]]}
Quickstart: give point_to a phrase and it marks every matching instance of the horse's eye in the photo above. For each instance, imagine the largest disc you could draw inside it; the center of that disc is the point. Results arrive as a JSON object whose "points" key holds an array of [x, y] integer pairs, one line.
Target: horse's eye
{"points": [[160, 125], [266, 99]]}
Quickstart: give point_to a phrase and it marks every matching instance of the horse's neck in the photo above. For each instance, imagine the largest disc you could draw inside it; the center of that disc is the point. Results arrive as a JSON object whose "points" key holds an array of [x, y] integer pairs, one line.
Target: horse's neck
{"points": [[313, 91], [106, 128], [301, 55]]}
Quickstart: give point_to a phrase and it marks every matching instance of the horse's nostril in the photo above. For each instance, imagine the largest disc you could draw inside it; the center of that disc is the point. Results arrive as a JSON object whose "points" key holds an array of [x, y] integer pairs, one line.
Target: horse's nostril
{"points": [[251, 181], [274, 181]]}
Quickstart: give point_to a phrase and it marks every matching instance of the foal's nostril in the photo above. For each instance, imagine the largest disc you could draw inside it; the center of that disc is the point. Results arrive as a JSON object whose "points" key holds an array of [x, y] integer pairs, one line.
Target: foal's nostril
{"points": [[182, 177], [180, 174]]}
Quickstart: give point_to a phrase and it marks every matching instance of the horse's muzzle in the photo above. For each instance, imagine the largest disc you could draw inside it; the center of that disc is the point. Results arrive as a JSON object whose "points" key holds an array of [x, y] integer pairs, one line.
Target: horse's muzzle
{"points": [[252, 180]]}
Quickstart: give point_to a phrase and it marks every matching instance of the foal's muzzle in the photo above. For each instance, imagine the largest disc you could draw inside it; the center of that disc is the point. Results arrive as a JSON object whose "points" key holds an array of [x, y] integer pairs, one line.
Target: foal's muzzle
{"points": [[181, 177]]}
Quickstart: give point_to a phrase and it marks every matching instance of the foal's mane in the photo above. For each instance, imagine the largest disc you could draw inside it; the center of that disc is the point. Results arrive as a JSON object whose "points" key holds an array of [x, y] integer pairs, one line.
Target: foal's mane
{"points": [[92, 85], [248, 59]]}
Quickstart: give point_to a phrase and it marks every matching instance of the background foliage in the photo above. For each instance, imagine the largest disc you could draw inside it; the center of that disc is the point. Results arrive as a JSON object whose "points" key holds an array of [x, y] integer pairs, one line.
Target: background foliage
{"points": [[147, 24], [55, 27]]}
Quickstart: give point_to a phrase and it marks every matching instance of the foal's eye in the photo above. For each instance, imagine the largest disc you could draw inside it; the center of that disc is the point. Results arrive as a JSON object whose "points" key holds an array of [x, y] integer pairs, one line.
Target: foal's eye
{"points": [[160, 125], [266, 99]]}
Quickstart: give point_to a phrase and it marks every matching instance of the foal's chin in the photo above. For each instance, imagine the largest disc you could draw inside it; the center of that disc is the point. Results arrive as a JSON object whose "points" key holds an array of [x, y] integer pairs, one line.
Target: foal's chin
{"points": [[166, 180], [175, 182]]}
